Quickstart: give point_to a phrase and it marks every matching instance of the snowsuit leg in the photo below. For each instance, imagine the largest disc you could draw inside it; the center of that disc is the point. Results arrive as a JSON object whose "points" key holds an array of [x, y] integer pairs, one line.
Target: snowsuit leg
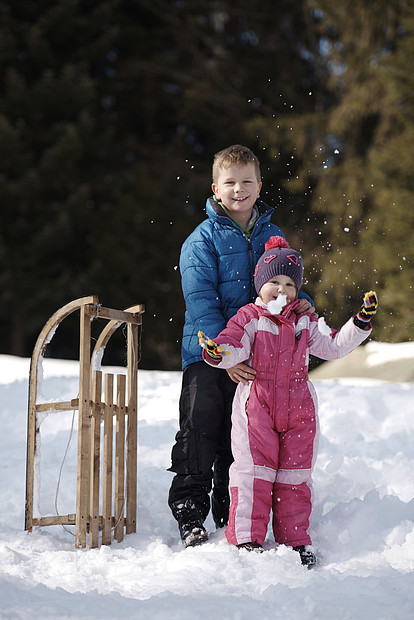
{"points": [[252, 475], [203, 439], [292, 492], [292, 506], [250, 505], [271, 470]]}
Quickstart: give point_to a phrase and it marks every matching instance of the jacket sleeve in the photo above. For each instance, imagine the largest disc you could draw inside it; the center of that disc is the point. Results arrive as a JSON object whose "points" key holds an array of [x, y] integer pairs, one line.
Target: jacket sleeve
{"points": [[237, 339], [337, 344], [199, 280]]}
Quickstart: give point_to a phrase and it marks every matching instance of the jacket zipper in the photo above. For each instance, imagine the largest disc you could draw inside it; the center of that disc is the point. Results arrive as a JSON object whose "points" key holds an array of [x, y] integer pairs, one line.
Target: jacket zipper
{"points": [[250, 248]]}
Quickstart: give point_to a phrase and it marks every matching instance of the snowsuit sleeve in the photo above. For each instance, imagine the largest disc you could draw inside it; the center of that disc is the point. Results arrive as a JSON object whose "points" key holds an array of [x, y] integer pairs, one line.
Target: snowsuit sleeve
{"points": [[337, 344], [237, 338]]}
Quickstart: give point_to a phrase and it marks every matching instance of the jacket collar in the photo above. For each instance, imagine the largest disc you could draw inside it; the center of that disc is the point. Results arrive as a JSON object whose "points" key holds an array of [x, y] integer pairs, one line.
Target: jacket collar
{"points": [[215, 211], [286, 312]]}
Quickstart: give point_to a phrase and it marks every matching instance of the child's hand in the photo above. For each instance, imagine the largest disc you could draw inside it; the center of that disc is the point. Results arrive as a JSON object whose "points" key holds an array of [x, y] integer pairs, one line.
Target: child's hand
{"points": [[369, 306], [305, 306], [214, 350]]}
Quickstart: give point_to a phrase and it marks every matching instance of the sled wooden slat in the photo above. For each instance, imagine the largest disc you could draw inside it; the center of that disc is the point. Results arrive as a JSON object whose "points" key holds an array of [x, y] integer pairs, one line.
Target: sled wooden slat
{"points": [[82, 516], [68, 520], [94, 454], [131, 487], [106, 460], [120, 459], [118, 315], [60, 406], [55, 520]]}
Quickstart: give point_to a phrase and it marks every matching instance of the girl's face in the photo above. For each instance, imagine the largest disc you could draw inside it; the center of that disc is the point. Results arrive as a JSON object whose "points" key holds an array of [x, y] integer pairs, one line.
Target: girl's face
{"points": [[279, 285]]}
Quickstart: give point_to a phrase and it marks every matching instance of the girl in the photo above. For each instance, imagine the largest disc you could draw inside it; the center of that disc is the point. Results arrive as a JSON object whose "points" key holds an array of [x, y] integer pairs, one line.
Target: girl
{"points": [[274, 419]]}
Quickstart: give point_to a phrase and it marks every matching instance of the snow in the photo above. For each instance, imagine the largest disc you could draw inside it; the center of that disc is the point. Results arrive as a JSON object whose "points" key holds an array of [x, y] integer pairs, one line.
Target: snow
{"points": [[275, 306], [382, 352], [362, 528], [323, 327]]}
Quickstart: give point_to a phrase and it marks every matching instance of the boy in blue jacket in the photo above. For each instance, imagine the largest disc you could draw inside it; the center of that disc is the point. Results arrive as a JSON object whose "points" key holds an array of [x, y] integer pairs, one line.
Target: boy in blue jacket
{"points": [[217, 265]]}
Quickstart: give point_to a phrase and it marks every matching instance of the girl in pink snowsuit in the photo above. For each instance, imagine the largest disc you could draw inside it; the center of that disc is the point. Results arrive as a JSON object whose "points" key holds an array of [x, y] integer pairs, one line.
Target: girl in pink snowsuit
{"points": [[274, 419]]}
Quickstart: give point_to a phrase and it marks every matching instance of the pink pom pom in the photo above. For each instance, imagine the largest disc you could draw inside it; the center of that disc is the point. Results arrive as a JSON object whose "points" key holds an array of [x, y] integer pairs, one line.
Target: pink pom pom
{"points": [[276, 242]]}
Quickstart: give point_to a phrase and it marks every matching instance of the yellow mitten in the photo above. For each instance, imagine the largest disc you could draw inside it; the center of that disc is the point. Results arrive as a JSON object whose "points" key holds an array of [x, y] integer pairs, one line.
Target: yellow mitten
{"points": [[369, 306], [214, 350]]}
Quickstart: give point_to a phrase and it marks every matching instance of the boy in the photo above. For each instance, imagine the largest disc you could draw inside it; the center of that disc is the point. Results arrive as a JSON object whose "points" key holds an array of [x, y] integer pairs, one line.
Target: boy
{"points": [[274, 421], [217, 263]]}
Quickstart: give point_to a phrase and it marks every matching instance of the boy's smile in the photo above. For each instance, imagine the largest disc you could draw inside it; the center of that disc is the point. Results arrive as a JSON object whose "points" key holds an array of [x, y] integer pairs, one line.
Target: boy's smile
{"points": [[238, 189]]}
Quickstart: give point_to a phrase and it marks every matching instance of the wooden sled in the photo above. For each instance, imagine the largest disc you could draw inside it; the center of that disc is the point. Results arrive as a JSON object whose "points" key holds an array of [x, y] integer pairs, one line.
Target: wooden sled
{"points": [[119, 440]]}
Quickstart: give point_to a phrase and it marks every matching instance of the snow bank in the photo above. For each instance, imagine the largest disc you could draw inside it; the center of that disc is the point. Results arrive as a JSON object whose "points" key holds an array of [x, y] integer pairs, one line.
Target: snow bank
{"points": [[363, 521]]}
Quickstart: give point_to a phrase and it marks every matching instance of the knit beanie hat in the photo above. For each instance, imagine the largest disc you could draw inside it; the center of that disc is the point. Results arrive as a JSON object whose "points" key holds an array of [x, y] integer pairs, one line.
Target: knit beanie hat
{"points": [[278, 259]]}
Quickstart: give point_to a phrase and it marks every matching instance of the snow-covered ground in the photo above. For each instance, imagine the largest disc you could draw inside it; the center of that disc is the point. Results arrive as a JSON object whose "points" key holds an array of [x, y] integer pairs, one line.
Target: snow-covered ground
{"points": [[363, 521]]}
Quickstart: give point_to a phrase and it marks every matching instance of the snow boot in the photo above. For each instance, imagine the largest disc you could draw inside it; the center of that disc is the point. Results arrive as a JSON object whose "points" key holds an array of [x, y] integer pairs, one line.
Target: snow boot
{"points": [[307, 557], [251, 546], [190, 524]]}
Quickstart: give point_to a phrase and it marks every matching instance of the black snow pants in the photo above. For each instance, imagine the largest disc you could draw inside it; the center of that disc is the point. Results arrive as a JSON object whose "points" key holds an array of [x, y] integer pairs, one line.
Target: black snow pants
{"points": [[202, 452]]}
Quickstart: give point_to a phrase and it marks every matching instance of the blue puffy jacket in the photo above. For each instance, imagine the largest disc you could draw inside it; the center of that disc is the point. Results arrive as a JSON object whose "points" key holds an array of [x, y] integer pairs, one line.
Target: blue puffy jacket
{"points": [[217, 263]]}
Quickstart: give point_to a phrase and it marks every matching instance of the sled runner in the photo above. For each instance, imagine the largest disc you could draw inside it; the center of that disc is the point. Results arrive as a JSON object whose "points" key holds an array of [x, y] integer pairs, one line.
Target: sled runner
{"points": [[118, 419]]}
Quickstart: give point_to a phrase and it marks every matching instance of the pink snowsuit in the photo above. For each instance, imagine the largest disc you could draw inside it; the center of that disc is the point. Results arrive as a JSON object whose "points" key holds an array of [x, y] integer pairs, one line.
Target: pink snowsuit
{"points": [[274, 419]]}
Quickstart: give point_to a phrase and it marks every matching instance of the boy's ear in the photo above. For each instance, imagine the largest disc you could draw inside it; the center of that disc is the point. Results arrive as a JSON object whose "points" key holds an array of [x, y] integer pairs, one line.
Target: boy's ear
{"points": [[214, 188]]}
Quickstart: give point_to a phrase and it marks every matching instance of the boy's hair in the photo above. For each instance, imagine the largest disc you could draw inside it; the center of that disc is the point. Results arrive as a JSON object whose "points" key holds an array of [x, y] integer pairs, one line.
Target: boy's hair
{"points": [[235, 155]]}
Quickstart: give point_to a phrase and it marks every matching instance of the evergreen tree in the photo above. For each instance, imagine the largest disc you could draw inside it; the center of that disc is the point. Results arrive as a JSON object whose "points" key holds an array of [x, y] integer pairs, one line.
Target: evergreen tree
{"points": [[50, 143], [111, 111], [110, 115], [364, 190], [349, 160]]}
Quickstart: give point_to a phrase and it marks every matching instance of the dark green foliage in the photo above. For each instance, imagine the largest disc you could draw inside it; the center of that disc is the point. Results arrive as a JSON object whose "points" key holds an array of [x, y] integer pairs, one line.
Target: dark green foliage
{"points": [[350, 173], [111, 111], [366, 191]]}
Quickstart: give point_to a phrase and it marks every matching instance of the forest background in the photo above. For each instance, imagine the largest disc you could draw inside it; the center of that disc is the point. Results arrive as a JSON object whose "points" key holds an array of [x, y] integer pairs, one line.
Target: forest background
{"points": [[111, 112]]}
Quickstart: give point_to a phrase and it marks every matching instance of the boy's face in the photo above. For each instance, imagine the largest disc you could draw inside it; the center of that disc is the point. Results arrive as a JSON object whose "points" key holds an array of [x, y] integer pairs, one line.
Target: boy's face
{"points": [[279, 285], [237, 188]]}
